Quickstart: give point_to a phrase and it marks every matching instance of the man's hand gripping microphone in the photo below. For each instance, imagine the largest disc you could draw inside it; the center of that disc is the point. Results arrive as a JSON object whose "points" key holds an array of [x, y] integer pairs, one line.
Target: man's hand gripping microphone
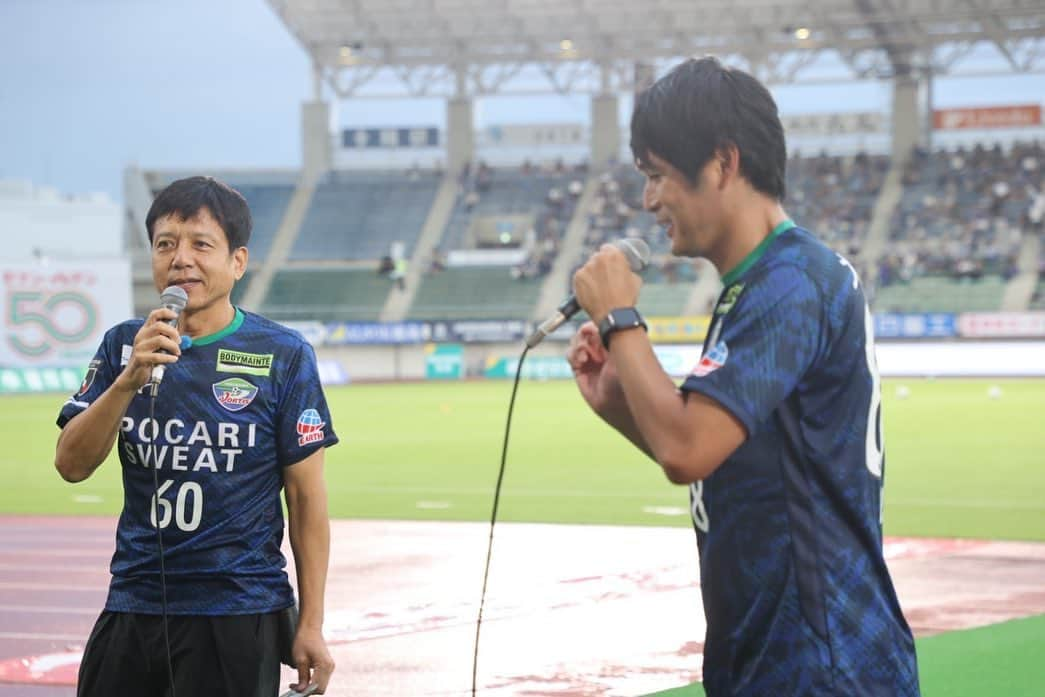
{"points": [[173, 298], [637, 252]]}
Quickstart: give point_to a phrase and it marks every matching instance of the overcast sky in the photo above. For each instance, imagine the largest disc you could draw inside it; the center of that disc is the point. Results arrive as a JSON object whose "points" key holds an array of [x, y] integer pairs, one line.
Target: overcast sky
{"points": [[88, 86]]}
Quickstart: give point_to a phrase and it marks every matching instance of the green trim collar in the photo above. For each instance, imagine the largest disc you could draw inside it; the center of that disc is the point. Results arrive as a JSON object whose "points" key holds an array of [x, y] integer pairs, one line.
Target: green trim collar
{"points": [[756, 253], [235, 324]]}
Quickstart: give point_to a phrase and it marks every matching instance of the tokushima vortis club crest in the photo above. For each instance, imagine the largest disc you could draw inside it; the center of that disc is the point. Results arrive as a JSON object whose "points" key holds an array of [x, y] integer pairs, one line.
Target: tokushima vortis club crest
{"points": [[234, 394], [310, 427], [712, 360]]}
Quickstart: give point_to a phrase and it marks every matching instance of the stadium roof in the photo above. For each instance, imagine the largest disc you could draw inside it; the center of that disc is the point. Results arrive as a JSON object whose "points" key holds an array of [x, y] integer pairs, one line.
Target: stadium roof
{"points": [[478, 47]]}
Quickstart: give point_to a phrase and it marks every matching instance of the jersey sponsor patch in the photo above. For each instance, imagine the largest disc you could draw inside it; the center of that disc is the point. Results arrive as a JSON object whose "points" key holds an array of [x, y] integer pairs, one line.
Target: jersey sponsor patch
{"points": [[729, 298], [246, 363], [310, 427], [234, 394], [712, 360], [125, 354], [88, 379]]}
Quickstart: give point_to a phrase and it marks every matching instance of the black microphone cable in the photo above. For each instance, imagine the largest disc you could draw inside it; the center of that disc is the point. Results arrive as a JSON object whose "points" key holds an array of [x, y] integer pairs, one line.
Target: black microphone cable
{"points": [[159, 533], [173, 298], [493, 516]]}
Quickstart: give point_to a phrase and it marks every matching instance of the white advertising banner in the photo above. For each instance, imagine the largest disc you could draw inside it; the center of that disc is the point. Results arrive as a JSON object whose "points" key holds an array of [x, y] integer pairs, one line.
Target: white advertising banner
{"points": [[55, 314], [834, 123], [1008, 325], [961, 359], [485, 257]]}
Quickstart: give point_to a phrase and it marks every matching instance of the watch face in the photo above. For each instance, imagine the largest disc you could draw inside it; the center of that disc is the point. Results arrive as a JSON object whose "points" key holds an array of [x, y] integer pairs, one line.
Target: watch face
{"points": [[626, 317], [621, 318]]}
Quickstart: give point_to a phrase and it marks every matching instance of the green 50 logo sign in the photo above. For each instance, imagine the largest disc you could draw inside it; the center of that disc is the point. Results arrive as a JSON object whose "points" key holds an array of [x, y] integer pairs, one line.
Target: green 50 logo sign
{"points": [[38, 322]]}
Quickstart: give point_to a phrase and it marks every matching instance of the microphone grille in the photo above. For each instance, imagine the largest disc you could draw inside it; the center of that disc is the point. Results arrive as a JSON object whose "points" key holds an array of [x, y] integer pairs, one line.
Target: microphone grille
{"points": [[174, 297], [636, 250]]}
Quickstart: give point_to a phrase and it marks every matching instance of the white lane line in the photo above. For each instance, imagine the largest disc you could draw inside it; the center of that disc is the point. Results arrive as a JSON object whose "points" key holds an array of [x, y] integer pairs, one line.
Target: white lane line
{"points": [[54, 552], [42, 637], [102, 568], [32, 586], [50, 610]]}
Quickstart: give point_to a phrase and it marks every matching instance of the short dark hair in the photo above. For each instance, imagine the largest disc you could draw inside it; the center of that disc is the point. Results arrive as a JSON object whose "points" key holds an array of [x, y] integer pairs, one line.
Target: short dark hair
{"points": [[702, 107], [185, 198]]}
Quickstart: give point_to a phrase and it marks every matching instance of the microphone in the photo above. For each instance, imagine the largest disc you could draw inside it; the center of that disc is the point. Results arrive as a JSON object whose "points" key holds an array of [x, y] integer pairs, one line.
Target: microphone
{"points": [[635, 250], [173, 298]]}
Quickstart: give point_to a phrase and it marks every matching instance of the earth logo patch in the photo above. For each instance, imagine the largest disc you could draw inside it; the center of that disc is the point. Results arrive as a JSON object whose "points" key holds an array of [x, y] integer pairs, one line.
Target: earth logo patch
{"points": [[234, 393], [310, 427], [713, 360]]}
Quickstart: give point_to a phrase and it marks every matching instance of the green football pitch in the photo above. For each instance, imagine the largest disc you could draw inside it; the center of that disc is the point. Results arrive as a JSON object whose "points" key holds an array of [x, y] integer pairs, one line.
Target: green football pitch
{"points": [[963, 458]]}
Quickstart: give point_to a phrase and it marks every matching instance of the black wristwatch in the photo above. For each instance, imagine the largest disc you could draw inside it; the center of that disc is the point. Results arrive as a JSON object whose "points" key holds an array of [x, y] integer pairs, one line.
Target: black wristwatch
{"points": [[621, 318]]}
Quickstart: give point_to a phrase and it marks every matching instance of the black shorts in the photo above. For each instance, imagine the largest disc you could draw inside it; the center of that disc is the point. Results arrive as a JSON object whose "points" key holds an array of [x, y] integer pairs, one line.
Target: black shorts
{"points": [[225, 656]]}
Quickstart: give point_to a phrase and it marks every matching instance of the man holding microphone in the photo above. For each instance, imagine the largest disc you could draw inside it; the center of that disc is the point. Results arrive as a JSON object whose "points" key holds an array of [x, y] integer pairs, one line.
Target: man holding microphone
{"points": [[199, 600], [777, 430]]}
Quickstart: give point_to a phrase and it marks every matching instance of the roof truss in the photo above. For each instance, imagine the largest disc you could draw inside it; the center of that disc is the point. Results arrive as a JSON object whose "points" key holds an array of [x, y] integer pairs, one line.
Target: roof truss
{"points": [[443, 48]]}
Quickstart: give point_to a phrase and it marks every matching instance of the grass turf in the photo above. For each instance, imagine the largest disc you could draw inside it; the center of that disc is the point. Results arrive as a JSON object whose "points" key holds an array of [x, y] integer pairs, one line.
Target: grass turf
{"points": [[995, 660], [958, 463]]}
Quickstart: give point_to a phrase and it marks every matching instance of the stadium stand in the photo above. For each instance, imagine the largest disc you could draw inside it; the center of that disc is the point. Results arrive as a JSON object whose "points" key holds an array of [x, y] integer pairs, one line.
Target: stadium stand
{"points": [[268, 203], [956, 235], [941, 294], [1037, 301], [665, 290], [326, 294], [535, 205], [358, 215], [482, 292], [529, 191], [616, 211], [833, 197]]}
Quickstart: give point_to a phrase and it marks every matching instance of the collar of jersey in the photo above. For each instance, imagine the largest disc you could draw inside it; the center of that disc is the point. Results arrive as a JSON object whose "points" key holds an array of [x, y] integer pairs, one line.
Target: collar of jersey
{"points": [[756, 253], [237, 320]]}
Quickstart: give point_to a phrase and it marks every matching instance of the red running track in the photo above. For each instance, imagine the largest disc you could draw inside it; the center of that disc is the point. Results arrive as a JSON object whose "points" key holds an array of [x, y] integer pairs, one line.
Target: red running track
{"points": [[572, 611]]}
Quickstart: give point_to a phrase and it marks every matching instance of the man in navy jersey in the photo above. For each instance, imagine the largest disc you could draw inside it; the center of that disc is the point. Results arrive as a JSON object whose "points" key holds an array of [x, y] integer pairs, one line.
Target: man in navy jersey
{"points": [[777, 429], [239, 416]]}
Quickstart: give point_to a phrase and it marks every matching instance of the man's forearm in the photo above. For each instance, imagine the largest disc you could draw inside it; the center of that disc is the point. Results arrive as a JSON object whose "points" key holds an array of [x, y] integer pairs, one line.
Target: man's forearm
{"points": [[87, 438], [619, 416], [310, 540]]}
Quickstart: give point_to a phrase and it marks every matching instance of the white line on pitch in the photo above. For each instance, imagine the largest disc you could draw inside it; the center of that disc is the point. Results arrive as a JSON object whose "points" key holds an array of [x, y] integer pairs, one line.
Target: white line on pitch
{"points": [[951, 503], [433, 505], [483, 491], [657, 495]]}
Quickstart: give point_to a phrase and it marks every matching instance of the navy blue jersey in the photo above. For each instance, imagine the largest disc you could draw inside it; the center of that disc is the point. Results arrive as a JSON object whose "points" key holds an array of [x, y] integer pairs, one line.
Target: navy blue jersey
{"points": [[796, 592], [233, 411]]}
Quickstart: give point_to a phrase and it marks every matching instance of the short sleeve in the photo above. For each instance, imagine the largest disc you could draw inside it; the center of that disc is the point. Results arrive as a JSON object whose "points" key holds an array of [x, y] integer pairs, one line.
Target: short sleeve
{"points": [[768, 340], [303, 420], [99, 376]]}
